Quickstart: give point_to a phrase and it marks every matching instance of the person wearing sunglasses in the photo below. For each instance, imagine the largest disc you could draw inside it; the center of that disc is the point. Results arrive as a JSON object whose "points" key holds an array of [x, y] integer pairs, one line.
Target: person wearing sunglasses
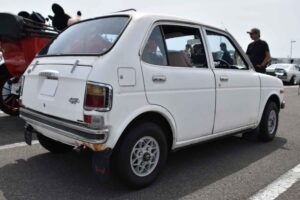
{"points": [[258, 51]]}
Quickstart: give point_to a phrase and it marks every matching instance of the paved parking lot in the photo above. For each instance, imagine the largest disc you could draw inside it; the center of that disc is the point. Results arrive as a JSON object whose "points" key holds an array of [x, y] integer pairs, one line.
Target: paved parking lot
{"points": [[229, 168]]}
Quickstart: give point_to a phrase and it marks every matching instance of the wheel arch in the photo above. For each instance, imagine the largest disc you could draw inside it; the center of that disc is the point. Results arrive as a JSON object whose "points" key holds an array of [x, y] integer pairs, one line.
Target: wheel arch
{"points": [[275, 98], [155, 114], [272, 97]]}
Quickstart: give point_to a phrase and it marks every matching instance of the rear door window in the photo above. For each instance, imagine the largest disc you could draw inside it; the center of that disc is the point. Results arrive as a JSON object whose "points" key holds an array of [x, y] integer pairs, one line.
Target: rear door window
{"points": [[154, 51], [175, 45], [184, 46]]}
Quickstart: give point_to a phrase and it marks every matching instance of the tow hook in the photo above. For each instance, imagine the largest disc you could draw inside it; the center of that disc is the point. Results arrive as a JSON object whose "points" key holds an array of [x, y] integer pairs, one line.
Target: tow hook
{"points": [[28, 134], [101, 164]]}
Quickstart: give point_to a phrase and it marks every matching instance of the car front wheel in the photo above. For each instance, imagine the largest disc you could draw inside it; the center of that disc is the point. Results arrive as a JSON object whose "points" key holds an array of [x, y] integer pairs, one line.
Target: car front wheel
{"points": [[269, 123], [141, 155]]}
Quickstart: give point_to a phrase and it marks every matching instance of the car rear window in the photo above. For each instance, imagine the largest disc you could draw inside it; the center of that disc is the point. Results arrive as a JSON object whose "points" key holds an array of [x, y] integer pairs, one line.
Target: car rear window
{"points": [[91, 37]]}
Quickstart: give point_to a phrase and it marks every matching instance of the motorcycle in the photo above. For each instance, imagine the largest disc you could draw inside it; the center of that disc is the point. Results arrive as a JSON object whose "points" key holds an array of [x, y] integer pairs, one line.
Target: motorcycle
{"points": [[20, 40]]}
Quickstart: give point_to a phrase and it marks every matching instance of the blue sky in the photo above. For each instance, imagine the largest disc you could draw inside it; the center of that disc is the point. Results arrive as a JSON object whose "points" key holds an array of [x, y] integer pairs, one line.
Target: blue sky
{"points": [[277, 19]]}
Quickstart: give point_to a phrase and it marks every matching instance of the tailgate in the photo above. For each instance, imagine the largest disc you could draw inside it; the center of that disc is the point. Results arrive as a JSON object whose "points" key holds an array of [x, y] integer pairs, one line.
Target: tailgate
{"points": [[56, 90]]}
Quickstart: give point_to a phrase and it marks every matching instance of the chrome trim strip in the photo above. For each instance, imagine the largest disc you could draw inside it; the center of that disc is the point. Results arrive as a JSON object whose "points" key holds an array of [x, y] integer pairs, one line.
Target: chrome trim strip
{"points": [[70, 134], [34, 65], [74, 66], [65, 133], [69, 125]]}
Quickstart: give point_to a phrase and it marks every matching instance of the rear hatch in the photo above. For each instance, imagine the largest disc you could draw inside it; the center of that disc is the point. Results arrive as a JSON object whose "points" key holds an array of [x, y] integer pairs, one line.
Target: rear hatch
{"points": [[56, 89], [56, 86]]}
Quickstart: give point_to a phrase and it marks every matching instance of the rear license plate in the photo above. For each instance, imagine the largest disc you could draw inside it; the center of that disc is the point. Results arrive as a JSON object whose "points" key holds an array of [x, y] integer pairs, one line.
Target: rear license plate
{"points": [[49, 87]]}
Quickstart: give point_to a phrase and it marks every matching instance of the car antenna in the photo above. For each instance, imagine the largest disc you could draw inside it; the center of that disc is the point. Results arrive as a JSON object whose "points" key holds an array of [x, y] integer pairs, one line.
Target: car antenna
{"points": [[224, 27]]}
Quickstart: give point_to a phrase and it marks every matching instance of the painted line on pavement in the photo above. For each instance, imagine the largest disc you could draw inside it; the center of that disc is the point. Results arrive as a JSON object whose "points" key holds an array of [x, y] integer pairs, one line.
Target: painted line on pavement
{"points": [[19, 144], [1, 112], [279, 186]]}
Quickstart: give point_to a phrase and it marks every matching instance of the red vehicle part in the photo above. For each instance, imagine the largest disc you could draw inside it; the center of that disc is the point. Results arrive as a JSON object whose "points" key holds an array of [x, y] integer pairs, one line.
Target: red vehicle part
{"points": [[20, 40], [19, 54]]}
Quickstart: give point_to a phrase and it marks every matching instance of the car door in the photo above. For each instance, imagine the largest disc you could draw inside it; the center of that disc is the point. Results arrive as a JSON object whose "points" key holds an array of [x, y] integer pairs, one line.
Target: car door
{"points": [[177, 77], [237, 85]]}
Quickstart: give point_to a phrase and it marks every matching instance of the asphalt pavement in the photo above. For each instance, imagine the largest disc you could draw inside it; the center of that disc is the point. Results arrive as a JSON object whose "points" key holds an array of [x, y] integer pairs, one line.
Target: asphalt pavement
{"points": [[228, 168]]}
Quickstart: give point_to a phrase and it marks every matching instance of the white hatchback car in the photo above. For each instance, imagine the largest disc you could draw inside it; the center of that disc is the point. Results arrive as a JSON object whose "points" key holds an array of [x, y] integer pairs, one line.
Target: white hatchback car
{"points": [[133, 86]]}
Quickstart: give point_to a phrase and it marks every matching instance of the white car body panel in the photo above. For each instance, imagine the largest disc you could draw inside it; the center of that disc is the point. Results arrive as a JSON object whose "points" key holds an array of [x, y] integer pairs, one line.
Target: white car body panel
{"points": [[269, 86], [196, 104], [188, 94], [242, 88], [50, 96]]}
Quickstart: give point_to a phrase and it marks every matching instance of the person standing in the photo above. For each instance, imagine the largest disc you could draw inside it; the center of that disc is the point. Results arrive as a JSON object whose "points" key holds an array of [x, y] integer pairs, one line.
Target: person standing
{"points": [[226, 55], [258, 51]]}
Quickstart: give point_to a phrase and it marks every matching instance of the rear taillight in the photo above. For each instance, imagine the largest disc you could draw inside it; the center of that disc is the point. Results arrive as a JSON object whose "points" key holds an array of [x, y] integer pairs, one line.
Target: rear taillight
{"points": [[98, 97], [94, 121]]}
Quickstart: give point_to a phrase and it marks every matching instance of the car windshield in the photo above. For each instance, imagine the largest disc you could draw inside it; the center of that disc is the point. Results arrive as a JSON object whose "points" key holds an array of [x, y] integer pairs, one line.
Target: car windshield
{"points": [[91, 37]]}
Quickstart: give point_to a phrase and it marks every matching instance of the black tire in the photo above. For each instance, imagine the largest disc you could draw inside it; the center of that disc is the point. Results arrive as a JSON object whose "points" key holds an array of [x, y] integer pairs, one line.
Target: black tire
{"points": [[52, 145], [8, 102], [267, 133], [262, 132], [124, 152]]}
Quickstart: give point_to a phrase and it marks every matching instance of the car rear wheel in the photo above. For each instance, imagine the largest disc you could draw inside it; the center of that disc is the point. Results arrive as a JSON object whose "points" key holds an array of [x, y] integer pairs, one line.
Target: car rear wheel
{"points": [[52, 145], [141, 155]]}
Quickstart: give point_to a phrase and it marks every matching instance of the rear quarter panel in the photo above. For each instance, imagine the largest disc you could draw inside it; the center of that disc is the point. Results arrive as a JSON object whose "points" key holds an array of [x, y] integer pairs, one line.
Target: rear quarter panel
{"points": [[129, 100]]}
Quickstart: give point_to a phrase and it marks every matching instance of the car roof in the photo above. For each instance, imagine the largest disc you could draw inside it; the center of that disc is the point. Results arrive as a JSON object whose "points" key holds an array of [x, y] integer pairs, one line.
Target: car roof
{"points": [[153, 17]]}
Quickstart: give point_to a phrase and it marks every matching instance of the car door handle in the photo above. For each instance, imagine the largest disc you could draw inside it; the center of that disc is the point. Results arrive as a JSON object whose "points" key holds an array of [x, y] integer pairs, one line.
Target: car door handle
{"points": [[159, 79], [224, 78]]}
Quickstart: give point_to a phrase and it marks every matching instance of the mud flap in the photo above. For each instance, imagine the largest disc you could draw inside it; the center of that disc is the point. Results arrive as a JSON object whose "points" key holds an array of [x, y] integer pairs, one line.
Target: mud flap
{"points": [[101, 164], [28, 134]]}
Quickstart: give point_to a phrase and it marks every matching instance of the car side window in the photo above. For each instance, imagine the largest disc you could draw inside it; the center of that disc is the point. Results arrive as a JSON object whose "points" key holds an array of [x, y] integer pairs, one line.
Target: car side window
{"points": [[184, 46], [225, 54], [154, 51]]}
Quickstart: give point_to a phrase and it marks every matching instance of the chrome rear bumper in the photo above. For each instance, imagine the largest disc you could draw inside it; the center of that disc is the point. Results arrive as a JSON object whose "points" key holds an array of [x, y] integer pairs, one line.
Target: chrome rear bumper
{"points": [[64, 131]]}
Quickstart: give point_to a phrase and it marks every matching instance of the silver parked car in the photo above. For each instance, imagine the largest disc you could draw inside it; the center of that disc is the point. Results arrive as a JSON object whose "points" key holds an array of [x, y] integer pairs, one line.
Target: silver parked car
{"points": [[288, 73]]}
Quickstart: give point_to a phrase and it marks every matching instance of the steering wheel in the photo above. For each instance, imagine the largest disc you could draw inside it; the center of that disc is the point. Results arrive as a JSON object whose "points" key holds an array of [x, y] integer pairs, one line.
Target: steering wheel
{"points": [[223, 63]]}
